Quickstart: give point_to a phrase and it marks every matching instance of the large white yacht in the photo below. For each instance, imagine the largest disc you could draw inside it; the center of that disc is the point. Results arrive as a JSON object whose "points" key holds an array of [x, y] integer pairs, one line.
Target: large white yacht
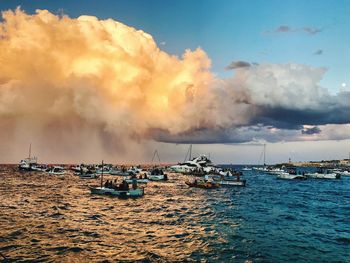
{"points": [[197, 164]]}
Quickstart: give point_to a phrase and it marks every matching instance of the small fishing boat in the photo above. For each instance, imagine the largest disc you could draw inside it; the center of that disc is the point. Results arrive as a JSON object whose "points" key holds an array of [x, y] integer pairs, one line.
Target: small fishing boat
{"points": [[56, 170], [157, 174], [39, 168], [231, 180], [122, 190], [88, 175], [202, 184], [324, 174], [139, 181], [138, 192]]}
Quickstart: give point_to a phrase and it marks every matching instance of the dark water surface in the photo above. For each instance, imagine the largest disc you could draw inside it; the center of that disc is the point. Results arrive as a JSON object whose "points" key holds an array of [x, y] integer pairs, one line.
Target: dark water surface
{"points": [[55, 218]]}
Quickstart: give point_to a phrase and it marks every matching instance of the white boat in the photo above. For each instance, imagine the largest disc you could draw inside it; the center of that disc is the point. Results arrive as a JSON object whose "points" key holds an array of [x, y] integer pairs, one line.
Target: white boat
{"points": [[342, 172], [290, 176], [260, 169], [39, 168], [56, 170], [138, 192], [28, 164], [246, 168], [324, 174], [231, 182], [263, 168], [199, 164], [157, 174], [275, 171]]}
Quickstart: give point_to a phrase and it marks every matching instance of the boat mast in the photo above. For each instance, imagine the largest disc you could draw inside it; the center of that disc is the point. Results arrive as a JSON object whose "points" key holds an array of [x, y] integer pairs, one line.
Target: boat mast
{"points": [[154, 155], [264, 154], [102, 175], [190, 152]]}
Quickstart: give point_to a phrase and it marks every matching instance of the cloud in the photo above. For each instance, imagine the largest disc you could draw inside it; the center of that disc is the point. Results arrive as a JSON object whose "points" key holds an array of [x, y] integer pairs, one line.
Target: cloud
{"points": [[312, 30], [284, 29], [287, 29], [238, 64], [92, 88], [318, 52]]}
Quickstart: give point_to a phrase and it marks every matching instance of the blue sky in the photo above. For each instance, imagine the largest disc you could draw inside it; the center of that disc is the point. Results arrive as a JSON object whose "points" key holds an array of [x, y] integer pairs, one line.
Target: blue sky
{"points": [[232, 30]]}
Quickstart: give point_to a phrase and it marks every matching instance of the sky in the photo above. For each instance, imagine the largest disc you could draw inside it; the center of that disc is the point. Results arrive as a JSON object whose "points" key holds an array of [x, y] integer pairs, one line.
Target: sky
{"points": [[272, 72]]}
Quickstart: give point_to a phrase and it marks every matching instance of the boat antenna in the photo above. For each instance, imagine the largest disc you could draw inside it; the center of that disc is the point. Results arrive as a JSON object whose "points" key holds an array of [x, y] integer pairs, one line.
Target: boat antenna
{"points": [[102, 175]]}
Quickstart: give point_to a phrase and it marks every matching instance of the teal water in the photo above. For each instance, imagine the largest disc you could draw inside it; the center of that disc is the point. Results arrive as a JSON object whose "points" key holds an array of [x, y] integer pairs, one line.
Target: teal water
{"points": [[48, 218]]}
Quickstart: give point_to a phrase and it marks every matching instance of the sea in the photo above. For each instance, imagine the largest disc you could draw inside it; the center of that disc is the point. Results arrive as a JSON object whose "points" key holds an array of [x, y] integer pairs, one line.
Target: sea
{"points": [[50, 218]]}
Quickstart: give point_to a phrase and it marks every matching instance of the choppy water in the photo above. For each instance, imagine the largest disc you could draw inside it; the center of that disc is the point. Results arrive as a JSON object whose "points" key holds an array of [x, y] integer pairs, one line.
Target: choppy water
{"points": [[55, 218]]}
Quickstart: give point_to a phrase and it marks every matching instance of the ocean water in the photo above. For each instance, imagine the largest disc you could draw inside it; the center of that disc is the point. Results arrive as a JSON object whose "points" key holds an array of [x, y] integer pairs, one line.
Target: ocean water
{"points": [[45, 218]]}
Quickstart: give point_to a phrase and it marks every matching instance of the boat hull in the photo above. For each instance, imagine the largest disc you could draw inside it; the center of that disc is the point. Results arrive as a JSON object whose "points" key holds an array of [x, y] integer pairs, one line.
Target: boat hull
{"points": [[113, 192], [323, 176], [231, 183], [204, 185]]}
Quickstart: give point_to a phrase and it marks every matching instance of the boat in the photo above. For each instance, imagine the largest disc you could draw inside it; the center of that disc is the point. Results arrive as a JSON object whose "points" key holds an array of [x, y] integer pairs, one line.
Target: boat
{"points": [[324, 174], [138, 192], [226, 180], [231, 182], [88, 175], [28, 164], [138, 180], [39, 168], [246, 168], [202, 184], [123, 190], [275, 171], [264, 167], [56, 170], [291, 174], [342, 172], [157, 174]]}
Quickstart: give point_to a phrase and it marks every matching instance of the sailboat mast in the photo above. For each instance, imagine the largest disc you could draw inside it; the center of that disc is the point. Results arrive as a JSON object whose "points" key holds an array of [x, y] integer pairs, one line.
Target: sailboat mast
{"points": [[264, 154], [190, 152], [102, 175]]}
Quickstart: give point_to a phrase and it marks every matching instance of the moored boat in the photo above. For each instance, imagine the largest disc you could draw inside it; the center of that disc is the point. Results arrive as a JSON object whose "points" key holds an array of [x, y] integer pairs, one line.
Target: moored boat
{"points": [[157, 174], [324, 174], [56, 170], [202, 184], [138, 192], [290, 176]]}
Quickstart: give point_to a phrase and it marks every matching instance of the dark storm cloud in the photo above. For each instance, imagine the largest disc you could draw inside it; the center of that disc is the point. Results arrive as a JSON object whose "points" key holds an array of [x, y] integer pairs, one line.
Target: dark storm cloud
{"points": [[238, 64], [272, 124], [311, 130]]}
